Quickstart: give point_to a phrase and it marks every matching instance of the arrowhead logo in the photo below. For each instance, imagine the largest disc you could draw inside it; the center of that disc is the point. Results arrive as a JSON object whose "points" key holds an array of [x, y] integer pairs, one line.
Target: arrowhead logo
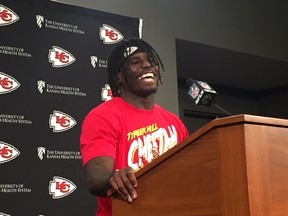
{"points": [[59, 57], [3, 214], [60, 121], [7, 16], [7, 83], [129, 51], [109, 35], [7, 152], [60, 187]]}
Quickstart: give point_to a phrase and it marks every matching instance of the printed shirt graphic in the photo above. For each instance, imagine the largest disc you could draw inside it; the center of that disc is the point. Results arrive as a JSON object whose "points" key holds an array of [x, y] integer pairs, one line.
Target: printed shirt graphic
{"points": [[117, 128], [148, 143], [131, 136]]}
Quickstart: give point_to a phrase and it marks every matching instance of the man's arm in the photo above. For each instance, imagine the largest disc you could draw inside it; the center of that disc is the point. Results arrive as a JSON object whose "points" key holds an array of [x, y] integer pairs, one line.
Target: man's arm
{"points": [[100, 178], [98, 171]]}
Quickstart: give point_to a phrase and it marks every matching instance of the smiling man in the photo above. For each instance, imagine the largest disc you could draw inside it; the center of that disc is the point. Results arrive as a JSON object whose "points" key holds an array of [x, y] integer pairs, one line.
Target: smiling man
{"points": [[124, 134]]}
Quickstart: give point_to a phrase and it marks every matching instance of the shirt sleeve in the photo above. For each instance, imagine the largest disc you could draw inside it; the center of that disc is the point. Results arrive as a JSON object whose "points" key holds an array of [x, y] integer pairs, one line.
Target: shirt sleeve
{"points": [[183, 130], [98, 137]]}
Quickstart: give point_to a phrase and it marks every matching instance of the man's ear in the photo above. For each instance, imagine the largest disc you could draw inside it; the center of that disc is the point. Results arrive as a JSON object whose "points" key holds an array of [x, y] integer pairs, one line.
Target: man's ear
{"points": [[119, 77]]}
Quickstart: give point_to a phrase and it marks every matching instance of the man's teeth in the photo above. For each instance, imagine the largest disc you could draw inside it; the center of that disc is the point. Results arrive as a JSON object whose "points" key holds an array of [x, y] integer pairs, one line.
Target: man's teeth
{"points": [[147, 75]]}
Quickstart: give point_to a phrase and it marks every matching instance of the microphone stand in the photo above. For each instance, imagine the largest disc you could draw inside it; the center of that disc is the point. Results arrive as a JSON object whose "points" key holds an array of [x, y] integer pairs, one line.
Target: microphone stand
{"points": [[223, 110]]}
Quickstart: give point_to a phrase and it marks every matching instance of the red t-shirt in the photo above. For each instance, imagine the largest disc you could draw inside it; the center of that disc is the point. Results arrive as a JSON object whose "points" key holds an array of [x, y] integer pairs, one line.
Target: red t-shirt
{"points": [[132, 136]]}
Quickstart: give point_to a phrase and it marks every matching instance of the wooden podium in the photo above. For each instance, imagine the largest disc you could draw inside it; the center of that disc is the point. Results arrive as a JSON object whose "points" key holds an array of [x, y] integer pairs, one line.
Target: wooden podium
{"points": [[230, 167]]}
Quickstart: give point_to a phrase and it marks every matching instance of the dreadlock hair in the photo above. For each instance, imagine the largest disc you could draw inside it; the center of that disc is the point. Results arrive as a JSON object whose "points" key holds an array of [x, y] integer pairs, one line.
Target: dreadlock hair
{"points": [[118, 57]]}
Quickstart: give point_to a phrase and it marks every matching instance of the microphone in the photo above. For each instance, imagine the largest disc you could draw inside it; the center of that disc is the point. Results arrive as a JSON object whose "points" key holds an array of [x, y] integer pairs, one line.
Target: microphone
{"points": [[203, 94]]}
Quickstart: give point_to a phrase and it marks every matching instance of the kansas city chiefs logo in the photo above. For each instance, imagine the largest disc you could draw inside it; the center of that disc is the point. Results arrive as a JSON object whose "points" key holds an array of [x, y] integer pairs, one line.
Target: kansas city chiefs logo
{"points": [[109, 35], [60, 187], [7, 152], [7, 83], [3, 214], [60, 57], [60, 121], [106, 93], [7, 16]]}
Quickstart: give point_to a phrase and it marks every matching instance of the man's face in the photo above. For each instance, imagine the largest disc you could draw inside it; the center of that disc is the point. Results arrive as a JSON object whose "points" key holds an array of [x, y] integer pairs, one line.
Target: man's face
{"points": [[140, 75]]}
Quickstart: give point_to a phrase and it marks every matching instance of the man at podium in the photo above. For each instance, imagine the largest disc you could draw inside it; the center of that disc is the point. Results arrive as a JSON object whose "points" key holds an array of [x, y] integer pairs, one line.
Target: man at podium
{"points": [[125, 133]]}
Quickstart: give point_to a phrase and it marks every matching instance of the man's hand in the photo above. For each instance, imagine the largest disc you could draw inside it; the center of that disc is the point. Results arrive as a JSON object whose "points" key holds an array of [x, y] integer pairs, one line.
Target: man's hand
{"points": [[124, 183]]}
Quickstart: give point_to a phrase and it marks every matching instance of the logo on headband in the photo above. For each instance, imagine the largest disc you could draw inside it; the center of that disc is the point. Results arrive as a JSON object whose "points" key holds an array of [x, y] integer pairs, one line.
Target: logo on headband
{"points": [[129, 51]]}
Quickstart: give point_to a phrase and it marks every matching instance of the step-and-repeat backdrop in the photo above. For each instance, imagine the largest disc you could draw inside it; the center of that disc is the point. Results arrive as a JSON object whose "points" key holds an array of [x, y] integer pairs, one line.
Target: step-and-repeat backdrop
{"points": [[53, 61]]}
